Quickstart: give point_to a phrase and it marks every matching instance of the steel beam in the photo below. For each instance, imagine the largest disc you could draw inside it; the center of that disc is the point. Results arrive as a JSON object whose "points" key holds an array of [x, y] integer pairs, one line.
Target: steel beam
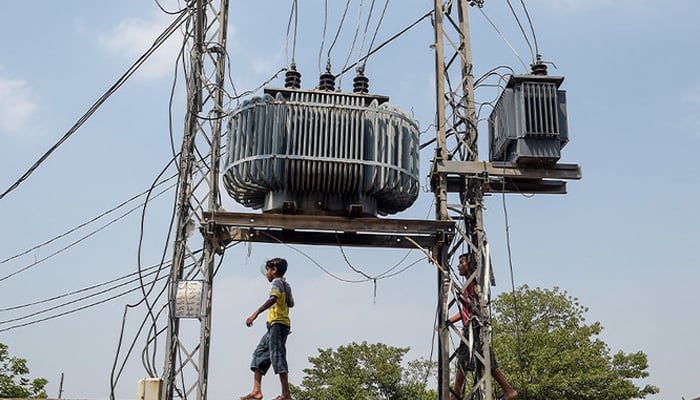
{"points": [[512, 171], [328, 230]]}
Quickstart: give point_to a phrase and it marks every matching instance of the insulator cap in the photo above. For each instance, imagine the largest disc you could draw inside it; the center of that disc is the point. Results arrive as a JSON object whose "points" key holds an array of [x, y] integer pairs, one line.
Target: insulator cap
{"points": [[327, 82], [360, 84], [292, 79], [539, 69]]}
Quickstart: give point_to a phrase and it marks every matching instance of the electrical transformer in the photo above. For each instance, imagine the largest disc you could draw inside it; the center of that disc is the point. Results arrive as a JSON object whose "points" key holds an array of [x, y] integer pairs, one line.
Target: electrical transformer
{"points": [[322, 152], [529, 123]]}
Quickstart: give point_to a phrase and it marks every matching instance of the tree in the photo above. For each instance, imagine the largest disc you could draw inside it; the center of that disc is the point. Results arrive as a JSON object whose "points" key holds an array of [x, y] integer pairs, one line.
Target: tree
{"points": [[554, 354], [365, 372], [13, 379]]}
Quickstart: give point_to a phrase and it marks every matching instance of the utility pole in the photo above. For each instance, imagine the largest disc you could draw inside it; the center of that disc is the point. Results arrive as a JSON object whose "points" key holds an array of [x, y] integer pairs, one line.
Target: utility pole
{"points": [[456, 140], [190, 287], [523, 159]]}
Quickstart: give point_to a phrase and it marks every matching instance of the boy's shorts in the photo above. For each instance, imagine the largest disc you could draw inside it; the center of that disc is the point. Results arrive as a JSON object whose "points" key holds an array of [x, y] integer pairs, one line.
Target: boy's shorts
{"points": [[467, 361], [272, 350]]}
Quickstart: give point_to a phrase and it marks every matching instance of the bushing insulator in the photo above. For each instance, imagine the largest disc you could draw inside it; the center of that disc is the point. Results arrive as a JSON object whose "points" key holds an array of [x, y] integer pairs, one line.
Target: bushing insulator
{"points": [[360, 84], [327, 82], [539, 68], [292, 79]]}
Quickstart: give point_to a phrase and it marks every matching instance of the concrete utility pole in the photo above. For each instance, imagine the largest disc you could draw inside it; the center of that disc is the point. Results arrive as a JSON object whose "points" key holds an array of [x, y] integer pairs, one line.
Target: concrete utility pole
{"points": [[456, 139], [190, 289]]}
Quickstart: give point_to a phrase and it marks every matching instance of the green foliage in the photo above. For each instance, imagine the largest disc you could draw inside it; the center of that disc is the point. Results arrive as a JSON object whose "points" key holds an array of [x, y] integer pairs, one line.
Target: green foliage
{"points": [[555, 354], [13, 379], [364, 372]]}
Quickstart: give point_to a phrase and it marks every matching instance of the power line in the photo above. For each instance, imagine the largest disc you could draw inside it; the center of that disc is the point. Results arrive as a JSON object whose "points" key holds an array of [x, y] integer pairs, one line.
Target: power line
{"points": [[82, 225], [76, 242], [517, 55], [516, 312], [364, 33], [368, 278], [391, 39], [379, 24], [354, 38], [44, 311], [74, 292], [337, 34], [323, 35], [522, 30], [166, 11], [134, 67], [294, 13], [532, 28], [71, 311]]}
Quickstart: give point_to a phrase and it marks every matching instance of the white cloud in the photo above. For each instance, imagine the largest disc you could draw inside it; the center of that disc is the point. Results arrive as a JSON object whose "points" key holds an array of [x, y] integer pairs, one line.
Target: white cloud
{"points": [[132, 37], [17, 107]]}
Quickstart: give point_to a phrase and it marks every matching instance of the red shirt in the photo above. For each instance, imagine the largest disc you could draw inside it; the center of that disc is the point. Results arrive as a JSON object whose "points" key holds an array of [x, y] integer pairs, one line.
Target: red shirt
{"points": [[470, 299]]}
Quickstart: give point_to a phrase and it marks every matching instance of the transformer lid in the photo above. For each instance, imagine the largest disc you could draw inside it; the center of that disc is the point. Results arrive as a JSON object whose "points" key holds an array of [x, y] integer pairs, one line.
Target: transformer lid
{"points": [[287, 94], [518, 79]]}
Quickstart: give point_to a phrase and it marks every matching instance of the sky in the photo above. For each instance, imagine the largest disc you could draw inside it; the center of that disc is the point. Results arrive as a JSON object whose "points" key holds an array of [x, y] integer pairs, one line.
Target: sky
{"points": [[622, 240]]}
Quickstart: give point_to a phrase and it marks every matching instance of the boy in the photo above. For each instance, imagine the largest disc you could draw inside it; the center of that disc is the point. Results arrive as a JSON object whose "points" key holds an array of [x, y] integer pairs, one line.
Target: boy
{"points": [[466, 314], [272, 350]]}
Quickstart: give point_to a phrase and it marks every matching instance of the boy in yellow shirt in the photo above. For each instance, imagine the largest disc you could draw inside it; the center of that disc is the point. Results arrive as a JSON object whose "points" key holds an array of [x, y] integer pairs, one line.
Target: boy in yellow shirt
{"points": [[272, 349]]}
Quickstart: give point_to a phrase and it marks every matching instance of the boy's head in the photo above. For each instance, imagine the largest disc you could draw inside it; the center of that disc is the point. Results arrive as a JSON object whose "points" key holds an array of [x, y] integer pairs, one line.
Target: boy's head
{"points": [[466, 264], [276, 267]]}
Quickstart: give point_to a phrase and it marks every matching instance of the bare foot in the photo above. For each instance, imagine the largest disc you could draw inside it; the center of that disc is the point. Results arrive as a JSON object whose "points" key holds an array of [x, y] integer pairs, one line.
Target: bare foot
{"points": [[253, 396]]}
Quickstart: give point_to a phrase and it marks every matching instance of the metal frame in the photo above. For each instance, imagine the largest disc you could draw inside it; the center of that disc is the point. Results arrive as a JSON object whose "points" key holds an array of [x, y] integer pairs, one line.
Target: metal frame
{"points": [[186, 361], [328, 230], [457, 173], [458, 180], [456, 139]]}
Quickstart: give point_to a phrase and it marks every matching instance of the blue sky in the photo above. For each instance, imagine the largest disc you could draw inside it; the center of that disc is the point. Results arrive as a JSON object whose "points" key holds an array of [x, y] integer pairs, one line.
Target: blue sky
{"points": [[623, 240]]}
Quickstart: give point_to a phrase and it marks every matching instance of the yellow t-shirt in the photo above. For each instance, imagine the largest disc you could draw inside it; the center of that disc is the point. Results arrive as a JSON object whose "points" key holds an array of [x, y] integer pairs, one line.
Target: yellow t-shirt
{"points": [[279, 312]]}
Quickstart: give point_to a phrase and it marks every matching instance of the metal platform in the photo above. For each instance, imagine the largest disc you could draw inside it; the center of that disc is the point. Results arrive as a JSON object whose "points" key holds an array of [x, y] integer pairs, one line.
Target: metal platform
{"points": [[225, 227], [508, 177]]}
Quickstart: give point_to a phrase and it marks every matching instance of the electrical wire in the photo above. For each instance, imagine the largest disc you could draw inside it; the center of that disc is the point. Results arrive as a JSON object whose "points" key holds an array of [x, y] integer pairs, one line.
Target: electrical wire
{"points": [[504, 38], [166, 11], [323, 36], [82, 225], [337, 34], [379, 24], [293, 13], [516, 312], [180, 59], [334, 276], [354, 39], [74, 292], [130, 71], [391, 39], [70, 311], [173, 213], [103, 291], [522, 29], [76, 242], [364, 33], [532, 28], [385, 274]]}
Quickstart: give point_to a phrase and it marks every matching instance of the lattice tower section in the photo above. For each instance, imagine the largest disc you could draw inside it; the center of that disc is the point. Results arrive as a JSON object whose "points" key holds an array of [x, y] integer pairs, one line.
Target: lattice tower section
{"points": [[189, 330]]}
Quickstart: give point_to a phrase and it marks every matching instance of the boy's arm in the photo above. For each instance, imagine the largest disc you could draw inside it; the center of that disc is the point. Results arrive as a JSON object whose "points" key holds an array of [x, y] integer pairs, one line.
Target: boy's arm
{"points": [[269, 303]]}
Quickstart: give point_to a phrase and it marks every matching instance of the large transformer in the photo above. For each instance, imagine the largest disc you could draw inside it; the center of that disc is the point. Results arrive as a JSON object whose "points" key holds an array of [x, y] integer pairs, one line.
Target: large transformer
{"points": [[322, 152]]}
